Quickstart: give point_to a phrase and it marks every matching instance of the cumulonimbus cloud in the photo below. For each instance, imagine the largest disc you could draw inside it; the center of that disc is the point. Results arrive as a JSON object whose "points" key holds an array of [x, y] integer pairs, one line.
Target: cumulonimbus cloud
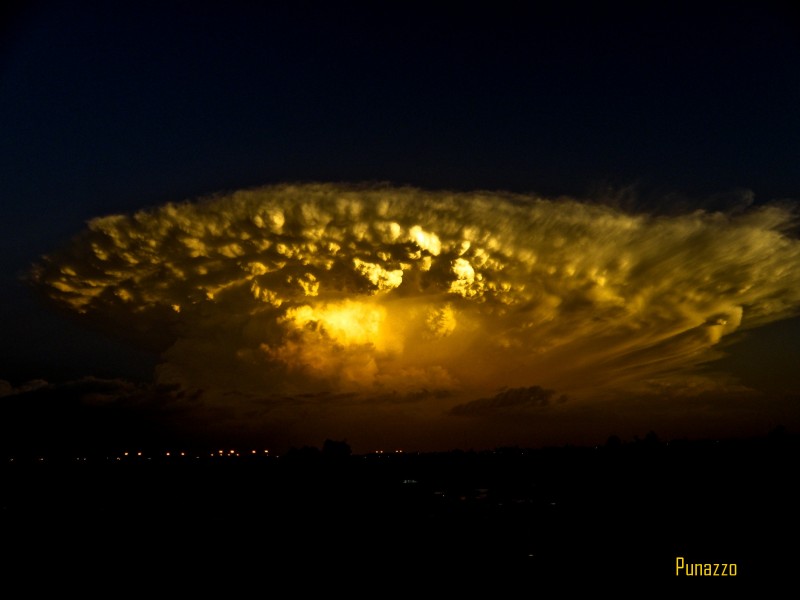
{"points": [[369, 292]]}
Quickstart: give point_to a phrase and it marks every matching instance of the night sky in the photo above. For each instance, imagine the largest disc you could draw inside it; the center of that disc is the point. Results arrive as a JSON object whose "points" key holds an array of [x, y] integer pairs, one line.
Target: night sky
{"points": [[624, 178]]}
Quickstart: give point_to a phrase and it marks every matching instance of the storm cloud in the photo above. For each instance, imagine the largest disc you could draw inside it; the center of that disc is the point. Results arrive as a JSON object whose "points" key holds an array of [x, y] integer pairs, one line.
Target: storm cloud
{"points": [[367, 292]]}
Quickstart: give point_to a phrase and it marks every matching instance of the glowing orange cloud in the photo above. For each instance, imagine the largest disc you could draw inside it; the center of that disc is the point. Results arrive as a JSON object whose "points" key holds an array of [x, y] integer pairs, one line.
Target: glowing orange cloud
{"points": [[447, 298]]}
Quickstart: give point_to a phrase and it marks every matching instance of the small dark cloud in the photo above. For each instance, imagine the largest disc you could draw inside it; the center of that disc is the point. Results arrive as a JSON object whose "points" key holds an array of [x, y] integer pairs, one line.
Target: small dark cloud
{"points": [[91, 414], [509, 401], [411, 397]]}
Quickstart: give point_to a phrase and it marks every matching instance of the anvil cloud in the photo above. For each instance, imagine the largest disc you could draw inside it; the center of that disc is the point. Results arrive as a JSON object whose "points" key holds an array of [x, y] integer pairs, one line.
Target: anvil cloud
{"points": [[378, 296]]}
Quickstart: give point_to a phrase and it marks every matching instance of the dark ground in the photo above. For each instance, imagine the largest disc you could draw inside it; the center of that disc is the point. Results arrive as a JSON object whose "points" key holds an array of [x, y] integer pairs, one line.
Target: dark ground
{"points": [[608, 516]]}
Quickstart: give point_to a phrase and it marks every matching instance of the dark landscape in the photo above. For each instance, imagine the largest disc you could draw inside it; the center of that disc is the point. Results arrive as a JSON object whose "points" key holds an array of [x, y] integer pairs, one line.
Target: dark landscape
{"points": [[619, 512]]}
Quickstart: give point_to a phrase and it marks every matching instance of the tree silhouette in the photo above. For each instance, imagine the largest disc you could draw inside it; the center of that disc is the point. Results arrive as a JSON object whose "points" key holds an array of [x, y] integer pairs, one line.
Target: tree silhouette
{"points": [[336, 450]]}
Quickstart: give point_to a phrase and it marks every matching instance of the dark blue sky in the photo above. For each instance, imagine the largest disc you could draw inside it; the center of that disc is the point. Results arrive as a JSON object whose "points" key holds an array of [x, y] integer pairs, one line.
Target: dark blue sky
{"points": [[112, 107]]}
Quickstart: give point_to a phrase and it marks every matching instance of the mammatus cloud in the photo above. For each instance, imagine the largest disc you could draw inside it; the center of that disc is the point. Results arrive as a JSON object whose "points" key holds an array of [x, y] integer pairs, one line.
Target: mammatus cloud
{"points": [[370, 292]]}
